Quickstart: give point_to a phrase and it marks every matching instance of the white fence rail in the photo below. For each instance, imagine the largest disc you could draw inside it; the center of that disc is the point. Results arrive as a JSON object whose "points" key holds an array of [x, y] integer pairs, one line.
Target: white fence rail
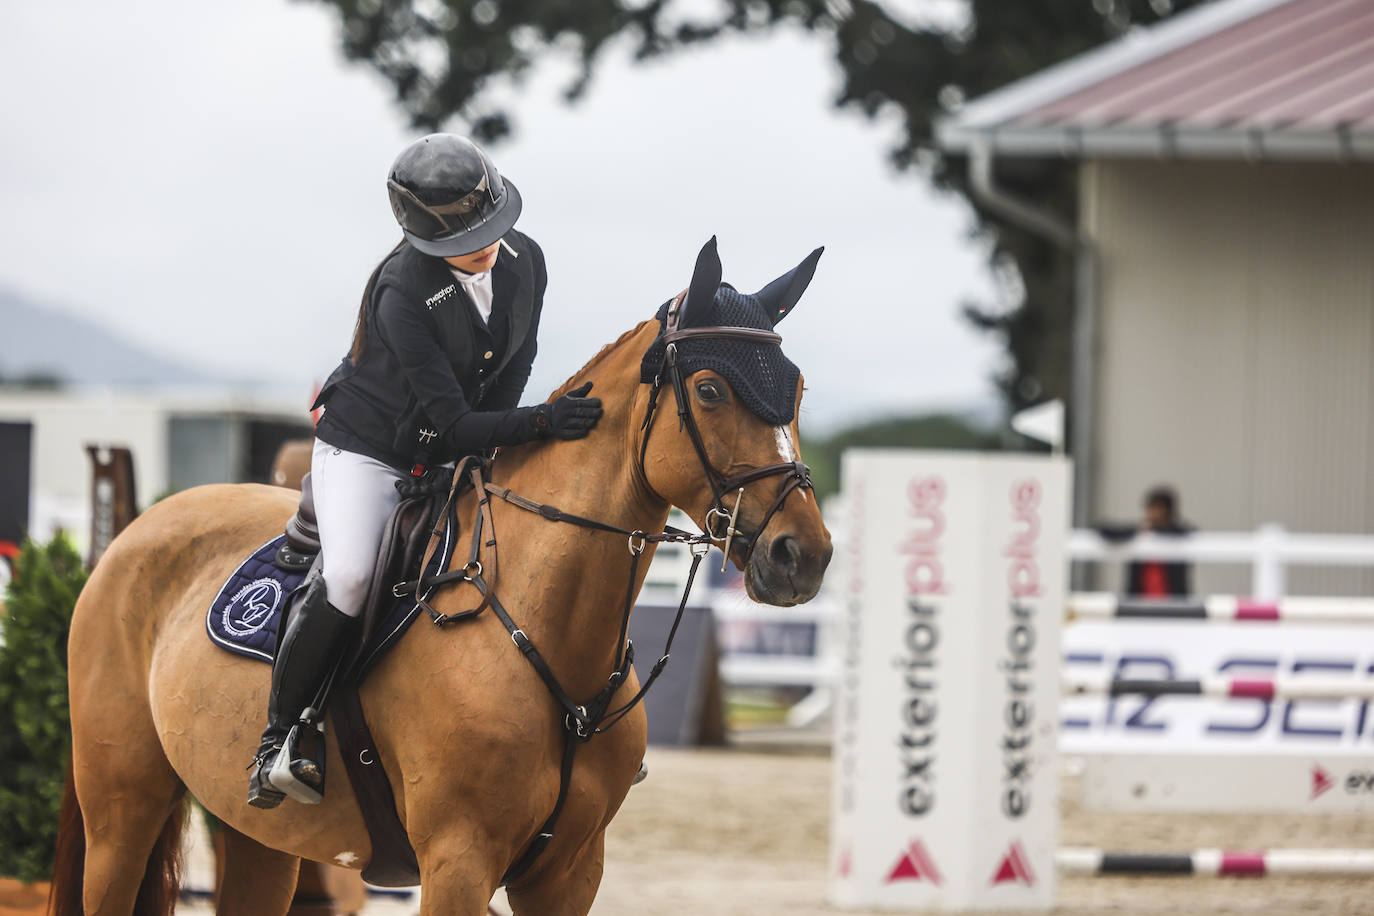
{"points": [[1269, 550]]}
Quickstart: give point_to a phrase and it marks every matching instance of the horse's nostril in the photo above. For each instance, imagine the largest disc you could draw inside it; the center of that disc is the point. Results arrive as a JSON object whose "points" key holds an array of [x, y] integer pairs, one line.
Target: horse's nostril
{"points": [[785, 552]]}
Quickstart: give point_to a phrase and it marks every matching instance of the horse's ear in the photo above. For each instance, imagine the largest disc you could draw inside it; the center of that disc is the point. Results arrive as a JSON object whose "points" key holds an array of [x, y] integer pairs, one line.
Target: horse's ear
{"points": [[782, 294], [705, 282]]}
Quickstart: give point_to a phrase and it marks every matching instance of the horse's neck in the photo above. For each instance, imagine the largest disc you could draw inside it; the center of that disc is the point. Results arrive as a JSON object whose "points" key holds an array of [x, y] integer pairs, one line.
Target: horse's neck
{"points": [[566, 585]]}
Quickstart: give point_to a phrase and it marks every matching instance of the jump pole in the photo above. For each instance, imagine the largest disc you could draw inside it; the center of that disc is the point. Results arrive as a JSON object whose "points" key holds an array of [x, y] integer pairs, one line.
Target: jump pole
{"points": [[1216, 863], [946, 771], [1222, 609], [1282, 688]]}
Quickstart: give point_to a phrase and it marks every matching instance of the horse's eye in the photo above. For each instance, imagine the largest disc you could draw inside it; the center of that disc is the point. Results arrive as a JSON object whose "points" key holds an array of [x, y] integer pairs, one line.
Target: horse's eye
{"points": [[709, 391]]}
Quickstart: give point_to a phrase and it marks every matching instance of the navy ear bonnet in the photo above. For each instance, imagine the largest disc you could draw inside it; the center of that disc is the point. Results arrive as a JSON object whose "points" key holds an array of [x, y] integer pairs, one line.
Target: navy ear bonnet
{"points": [[763, 378]]}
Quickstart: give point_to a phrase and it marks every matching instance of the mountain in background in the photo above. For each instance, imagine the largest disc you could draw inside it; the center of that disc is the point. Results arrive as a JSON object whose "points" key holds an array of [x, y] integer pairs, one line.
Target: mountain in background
{"points": [[47, 342]]}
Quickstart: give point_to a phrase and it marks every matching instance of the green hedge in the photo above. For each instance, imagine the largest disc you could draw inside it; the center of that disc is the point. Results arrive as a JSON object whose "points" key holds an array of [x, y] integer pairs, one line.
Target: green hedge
{"points": [[35, 727]]}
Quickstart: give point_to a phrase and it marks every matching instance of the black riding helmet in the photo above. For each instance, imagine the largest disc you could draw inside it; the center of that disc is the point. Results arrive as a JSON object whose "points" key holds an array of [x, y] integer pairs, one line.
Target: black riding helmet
{"points": [[448, 196]]}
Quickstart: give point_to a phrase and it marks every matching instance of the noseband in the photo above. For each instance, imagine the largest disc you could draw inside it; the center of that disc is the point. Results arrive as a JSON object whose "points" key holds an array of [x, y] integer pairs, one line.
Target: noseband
{"points": [[719, 522]]}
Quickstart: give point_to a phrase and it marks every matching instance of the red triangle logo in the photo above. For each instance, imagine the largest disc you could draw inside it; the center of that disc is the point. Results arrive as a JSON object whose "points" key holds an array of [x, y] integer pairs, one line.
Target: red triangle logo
{"points": [[1015, 868], [1321, 780], [915, 864]]}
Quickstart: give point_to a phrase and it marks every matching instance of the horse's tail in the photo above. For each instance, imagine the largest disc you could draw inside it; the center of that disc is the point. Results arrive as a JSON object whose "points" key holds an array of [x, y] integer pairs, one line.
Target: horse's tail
{"points": [[69, 864], [157, 895]]}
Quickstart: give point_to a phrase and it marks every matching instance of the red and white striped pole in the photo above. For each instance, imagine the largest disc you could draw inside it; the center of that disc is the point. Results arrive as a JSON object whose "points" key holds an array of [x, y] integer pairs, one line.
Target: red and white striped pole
{"points": [[1082, 860], [1282, 688], [1221, 609]]}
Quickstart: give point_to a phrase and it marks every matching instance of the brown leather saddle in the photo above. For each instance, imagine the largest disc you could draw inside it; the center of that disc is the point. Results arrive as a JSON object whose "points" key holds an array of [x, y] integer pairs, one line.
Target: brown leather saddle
{"points": [[413, 525]]}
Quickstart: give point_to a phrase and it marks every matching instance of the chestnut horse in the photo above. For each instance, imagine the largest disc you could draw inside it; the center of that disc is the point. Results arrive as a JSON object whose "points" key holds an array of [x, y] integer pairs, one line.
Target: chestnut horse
{"points": [[471, 737]]}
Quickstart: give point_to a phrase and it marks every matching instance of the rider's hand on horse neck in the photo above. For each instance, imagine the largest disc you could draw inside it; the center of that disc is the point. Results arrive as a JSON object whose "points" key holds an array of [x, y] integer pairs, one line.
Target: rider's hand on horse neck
{"points": [[570, 417]]}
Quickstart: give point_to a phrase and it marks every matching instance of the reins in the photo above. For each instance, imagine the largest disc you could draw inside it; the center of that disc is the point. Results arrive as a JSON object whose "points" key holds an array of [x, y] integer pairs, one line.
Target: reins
{"points": [[582, 721]]}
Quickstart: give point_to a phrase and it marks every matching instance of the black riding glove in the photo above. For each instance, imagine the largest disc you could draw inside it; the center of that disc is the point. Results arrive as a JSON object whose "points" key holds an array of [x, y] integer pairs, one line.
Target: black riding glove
{"points": [[570, 417]]}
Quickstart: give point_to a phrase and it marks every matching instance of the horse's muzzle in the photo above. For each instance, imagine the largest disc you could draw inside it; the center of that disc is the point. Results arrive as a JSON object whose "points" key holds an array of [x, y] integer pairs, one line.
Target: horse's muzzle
{"points": [[786, 569]]}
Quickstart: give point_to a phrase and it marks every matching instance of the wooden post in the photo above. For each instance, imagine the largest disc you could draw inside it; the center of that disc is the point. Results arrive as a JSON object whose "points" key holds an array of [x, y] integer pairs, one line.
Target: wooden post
{"points": [[114, 502]]}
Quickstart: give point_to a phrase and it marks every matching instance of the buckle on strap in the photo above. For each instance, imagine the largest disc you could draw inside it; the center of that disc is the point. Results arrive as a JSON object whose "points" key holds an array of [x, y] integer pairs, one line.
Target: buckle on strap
{"points": [[731, 532], [576, 722]]}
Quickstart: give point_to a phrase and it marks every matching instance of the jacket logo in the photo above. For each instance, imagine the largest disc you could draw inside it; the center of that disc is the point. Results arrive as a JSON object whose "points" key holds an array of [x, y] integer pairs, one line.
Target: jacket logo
{"points": [[426, 435], [440, 296]]}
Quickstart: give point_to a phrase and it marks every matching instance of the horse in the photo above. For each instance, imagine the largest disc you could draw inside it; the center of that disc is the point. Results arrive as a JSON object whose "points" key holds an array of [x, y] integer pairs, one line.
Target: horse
{"points": [[469, 732], [291, 463]]}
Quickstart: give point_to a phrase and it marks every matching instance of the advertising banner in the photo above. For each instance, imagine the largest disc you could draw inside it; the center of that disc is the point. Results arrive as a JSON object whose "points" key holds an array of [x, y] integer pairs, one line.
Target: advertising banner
{"points": [[1184, 753], [945, 783], [1186, 650]]}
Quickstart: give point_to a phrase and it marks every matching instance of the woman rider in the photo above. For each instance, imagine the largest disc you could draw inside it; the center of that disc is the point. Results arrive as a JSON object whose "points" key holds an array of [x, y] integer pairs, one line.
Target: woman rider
{"points": [[441, 353]]}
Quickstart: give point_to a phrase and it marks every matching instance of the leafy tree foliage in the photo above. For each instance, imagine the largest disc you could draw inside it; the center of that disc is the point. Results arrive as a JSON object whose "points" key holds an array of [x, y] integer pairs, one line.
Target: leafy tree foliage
{"points": [[35, 726], [442, 55]]}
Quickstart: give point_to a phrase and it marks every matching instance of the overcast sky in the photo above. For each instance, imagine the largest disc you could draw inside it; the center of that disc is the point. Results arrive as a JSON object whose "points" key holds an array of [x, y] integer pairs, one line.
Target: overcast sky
{"points": [[209, 180]]}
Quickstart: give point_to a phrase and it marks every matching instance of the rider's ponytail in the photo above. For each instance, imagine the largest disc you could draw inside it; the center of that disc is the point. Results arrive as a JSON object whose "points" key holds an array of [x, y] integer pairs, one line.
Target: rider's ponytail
{"points": [[355, 352]]}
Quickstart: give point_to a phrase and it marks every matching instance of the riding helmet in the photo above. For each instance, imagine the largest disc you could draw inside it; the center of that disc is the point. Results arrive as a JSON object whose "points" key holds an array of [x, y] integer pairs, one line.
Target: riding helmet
{"points": [[448, 196]]}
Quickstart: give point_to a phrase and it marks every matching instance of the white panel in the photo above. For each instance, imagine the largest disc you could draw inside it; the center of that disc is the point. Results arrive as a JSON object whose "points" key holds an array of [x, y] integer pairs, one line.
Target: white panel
{"points": [[1290, 783], [945, 775]]}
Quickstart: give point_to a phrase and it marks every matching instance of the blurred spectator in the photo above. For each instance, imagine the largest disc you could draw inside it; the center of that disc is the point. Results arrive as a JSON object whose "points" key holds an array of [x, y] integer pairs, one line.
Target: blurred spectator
{"points": [[1153, 578]]}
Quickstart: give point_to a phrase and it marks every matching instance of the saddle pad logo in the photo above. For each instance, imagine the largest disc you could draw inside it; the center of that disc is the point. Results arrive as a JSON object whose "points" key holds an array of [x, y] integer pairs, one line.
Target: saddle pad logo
{"points": [[252, 607]]}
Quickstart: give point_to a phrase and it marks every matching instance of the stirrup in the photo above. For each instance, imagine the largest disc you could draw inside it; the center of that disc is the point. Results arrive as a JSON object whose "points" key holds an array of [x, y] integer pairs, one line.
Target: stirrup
{"points": [[261, 792], [283, 777]]}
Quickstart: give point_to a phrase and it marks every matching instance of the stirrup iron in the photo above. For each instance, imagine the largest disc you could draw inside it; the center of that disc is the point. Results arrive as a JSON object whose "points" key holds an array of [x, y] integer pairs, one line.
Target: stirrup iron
{"points": [[281, 776]]}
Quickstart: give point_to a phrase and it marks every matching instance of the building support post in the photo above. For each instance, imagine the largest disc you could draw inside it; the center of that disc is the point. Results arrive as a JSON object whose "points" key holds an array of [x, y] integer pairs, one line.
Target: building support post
{"points": [[1083, 372]]}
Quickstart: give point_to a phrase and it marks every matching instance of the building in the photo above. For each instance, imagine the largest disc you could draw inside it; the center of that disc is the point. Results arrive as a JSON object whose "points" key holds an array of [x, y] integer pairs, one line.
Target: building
{"points": [[1225, 314], [178, 441]]}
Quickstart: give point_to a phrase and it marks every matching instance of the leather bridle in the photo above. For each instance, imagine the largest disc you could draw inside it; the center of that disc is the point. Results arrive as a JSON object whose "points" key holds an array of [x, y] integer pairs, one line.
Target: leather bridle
{"points": [[719, 522]]}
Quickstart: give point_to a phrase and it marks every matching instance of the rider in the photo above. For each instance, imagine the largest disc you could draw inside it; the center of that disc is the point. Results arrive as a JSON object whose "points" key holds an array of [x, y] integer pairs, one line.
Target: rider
{"points": [[441, 353]]}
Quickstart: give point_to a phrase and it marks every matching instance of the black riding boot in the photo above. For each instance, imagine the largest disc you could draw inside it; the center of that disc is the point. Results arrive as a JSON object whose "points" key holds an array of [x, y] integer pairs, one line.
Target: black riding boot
{"points": [[316, 636]]}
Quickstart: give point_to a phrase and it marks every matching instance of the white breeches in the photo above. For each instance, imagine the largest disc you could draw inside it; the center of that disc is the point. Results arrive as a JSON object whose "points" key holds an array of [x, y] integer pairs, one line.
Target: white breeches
{"points": [[354, 497]]}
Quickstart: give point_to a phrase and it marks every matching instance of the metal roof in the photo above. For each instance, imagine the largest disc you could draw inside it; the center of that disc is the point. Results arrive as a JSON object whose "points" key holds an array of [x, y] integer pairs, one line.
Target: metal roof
{"points": [[1284, 79]]}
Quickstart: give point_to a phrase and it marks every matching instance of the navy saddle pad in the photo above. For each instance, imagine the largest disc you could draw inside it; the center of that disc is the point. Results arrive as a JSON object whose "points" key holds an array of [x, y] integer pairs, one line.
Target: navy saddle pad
{"points": [[247, 611]]}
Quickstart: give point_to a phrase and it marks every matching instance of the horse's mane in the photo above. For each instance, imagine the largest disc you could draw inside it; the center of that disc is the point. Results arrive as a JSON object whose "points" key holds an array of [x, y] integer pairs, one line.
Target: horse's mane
{"points": [[599, 358]]}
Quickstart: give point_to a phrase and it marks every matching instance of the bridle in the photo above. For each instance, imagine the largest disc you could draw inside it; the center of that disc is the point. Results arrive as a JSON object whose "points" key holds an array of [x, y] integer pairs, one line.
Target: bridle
{"points": [[581, 722], [720, 522]]}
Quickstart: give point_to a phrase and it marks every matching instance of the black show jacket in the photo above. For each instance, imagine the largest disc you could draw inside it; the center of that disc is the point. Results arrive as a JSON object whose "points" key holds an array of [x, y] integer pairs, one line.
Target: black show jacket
{"points": [[434, 382]]}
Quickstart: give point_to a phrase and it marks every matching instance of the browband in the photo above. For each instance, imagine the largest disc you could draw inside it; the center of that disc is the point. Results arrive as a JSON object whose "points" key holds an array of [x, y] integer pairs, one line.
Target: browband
{"points": [[672, 333], [758, 335]]}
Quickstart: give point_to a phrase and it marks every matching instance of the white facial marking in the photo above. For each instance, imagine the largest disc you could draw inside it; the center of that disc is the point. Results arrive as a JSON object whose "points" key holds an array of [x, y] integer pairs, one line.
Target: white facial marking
{"points": [[786, 451], [346, 859]]}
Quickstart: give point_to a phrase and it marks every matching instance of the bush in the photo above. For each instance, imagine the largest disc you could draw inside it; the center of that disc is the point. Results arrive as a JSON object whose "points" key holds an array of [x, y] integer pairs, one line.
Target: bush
{"points": [[35, 726]]}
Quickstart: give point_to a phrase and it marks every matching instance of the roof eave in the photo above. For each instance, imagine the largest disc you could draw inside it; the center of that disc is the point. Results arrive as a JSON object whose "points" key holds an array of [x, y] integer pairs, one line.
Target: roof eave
{"points": [[1160, 143], [1131, 50]]}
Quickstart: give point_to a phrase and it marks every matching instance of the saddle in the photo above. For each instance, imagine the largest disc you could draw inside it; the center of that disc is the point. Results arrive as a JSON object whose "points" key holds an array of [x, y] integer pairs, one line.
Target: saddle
{"points": [[408, 533]]}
